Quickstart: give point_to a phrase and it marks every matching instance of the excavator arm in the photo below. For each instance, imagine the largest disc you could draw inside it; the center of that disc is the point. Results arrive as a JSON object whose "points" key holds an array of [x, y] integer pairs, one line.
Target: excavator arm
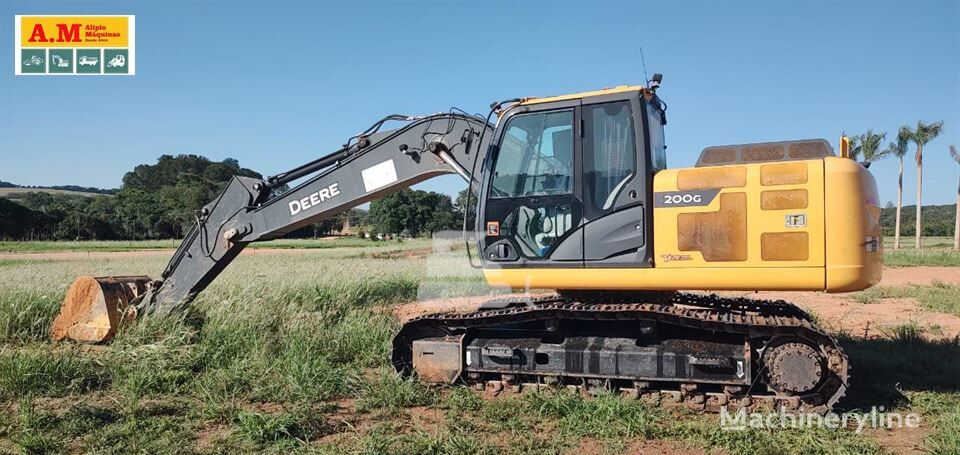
{"points": [[371, 165]]}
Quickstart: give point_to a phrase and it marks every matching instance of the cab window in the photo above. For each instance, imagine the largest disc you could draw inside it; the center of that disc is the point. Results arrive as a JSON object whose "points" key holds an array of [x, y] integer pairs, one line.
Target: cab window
{"points": [[536, 156], [658, 147], [609, 152]]}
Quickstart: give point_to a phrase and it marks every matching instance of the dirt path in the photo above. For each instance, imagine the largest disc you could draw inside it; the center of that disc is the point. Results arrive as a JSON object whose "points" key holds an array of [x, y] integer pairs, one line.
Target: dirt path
{"points": [[840, 313], [919, 275]]}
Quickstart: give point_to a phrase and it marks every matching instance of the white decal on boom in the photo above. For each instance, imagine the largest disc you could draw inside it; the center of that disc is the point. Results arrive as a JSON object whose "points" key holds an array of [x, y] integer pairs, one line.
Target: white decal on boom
{"points": [[312, 199], [379, 176]]}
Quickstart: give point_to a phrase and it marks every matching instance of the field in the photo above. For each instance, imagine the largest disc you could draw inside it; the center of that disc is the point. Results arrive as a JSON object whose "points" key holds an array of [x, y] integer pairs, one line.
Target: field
{"points": [[14, 193], [936, 252], [287, 353]]}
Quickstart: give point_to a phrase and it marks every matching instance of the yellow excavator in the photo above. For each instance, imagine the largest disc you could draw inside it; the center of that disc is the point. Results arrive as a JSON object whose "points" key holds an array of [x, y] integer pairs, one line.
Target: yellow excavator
{"points": [[573, 194]]}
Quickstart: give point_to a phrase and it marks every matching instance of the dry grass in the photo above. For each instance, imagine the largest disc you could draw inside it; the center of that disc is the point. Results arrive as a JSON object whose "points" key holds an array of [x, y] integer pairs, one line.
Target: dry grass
{"points": [[138, 245]]}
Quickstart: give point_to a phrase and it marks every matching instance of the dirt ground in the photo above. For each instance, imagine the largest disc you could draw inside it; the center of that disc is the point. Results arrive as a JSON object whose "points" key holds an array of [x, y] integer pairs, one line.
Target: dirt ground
{"points": [[919, 275], [838, 312], [659, 447], [903, 441]]}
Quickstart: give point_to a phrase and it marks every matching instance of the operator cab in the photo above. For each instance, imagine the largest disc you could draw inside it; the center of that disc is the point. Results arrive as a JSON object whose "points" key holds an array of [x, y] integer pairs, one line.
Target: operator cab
{"points": [[567, 182]]}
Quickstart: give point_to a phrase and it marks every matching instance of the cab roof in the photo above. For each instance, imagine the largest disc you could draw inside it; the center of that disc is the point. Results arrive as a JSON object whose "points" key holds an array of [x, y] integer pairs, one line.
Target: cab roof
{"points": [[573, 96]]}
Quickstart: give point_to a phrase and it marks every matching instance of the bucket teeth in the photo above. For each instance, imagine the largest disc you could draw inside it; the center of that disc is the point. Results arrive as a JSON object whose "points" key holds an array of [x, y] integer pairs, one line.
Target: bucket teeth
{"points": [[95, 307]]}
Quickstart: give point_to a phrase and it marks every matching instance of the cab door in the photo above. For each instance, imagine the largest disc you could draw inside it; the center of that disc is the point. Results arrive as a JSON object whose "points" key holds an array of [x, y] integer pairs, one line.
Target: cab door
{"points": [[616, 183], [532, 211]]}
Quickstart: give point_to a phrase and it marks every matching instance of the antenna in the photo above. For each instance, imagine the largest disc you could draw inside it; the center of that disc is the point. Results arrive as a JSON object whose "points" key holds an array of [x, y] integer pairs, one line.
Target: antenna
{"points": [[646, 79]]}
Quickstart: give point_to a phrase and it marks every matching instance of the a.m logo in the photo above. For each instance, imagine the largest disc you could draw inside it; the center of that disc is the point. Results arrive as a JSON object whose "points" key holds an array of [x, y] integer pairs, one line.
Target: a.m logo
{"points": [[65, 45], [65, 33]]}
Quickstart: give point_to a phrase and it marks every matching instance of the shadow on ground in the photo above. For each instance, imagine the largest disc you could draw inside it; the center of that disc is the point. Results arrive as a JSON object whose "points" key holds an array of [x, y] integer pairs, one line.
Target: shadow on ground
{"points": [[881, 368]]}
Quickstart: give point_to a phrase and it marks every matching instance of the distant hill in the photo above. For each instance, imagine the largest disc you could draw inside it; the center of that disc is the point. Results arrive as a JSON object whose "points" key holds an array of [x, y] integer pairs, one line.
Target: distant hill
{"points": [[17, 193], [12, 190], [83, 189], [937, 220]]}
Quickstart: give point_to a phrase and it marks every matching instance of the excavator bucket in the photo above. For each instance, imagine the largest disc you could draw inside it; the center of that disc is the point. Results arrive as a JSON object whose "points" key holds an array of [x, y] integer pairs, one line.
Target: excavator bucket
{"points": [[95, 307]]}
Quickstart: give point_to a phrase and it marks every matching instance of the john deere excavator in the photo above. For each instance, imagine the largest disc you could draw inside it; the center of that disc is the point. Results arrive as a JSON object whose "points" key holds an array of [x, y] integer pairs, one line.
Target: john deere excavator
{"points": [[574, 195]]}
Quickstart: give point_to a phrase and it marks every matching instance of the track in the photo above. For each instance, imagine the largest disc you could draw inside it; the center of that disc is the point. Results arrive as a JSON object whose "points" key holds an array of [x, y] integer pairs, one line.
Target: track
{"points": [[785, 343]]}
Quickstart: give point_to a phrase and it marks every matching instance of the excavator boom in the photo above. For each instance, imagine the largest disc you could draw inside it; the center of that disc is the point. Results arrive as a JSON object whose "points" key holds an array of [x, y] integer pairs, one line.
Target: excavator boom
{"points": [[370, 166]]}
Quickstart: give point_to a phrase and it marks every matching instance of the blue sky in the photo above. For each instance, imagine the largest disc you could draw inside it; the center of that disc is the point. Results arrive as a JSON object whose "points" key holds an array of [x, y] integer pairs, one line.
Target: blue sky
{"points": [[277, 84]]}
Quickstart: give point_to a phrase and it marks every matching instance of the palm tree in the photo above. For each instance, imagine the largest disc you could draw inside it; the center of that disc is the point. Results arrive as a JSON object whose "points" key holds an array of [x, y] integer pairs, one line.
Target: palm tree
{"points": [[854, 148], [921, 136], [956, 222], [899, 150], [869, 145]]}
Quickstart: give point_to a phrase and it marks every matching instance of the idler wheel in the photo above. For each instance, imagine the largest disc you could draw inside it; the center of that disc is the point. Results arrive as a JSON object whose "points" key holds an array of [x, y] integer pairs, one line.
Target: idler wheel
{"points": [[794, 367]]}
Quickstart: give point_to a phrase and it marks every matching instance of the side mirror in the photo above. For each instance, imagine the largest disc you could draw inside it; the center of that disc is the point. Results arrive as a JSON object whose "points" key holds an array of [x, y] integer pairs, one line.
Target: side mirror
{"points": [[654, 83]]}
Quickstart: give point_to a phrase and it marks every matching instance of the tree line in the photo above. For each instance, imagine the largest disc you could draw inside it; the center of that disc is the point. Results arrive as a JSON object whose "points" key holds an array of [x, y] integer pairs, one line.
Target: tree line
{"points": [[155, 201], [869, 147]]}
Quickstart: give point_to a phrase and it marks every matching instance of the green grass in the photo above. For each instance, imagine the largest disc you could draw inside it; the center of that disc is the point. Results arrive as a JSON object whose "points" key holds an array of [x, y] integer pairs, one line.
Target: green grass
{"points": [[86, 245], [613, 422], [936, 252], [17, 262], [390, 439], [388, 392], [46, 372], [943, 410], [946, 437], [939, 297], [913, 258], [305, 339], [907, 242], [284, 428], [26, 315], [284, 355], [606, 417]]}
